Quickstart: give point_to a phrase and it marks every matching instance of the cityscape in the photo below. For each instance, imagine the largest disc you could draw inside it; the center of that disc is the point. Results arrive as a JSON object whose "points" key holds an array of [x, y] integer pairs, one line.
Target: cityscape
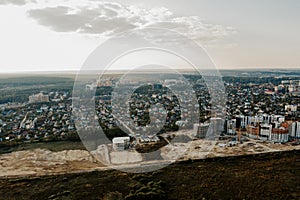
{"points": [[254, 110], [149, 100]]}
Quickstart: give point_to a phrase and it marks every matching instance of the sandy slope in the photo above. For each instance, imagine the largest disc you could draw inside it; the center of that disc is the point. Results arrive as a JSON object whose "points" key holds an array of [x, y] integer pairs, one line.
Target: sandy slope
{"points": [[41, 162]]}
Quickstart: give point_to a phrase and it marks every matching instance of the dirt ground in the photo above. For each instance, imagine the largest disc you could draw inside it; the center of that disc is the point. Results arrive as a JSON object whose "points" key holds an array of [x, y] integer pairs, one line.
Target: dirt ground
{"points": [[39, 162]]}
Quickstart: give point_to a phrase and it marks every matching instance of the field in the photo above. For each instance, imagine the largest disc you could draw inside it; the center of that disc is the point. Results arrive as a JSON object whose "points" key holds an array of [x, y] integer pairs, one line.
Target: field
{"points": [[263, 176]]}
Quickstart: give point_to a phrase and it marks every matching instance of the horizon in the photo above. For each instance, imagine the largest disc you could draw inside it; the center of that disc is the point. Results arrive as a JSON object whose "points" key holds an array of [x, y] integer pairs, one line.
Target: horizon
{"points": [[75, 71]]}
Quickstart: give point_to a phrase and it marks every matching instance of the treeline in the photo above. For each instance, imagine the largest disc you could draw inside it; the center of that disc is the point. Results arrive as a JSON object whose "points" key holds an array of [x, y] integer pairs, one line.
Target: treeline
{"points": [[255, 80], [18, 89], [32, 81]]}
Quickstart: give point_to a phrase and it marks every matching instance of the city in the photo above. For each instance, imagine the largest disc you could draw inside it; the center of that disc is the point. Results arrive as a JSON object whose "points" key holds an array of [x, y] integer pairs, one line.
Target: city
{"points": [[257, 111], [149, 100]]}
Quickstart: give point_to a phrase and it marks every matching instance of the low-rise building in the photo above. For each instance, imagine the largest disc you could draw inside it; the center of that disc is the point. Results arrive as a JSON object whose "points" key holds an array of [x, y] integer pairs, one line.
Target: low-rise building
{"points": [[36, 98], [121, 143]]}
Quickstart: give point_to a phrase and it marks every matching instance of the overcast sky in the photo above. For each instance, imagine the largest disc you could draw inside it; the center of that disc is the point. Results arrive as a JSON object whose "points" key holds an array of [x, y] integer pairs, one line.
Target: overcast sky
{"points": [[47, 35]]}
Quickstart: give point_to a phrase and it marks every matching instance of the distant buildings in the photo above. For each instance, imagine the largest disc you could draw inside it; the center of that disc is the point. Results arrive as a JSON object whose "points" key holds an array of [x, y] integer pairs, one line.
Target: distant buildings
{"points": [[253, 109], [290, 86], [267, 132], [36, 98], [241, 121], [291, 108], [91, 87], [265, 127], [100, 83]]}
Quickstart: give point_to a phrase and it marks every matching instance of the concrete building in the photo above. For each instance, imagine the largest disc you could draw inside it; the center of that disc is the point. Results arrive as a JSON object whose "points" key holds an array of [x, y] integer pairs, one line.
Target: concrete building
{"points": [[277, 118], [201, 130], [297, 135], [243, 121], [297, 131], [265, 132], [216, 127], [240, 122], [280, 135], [252, 131], [231, 127], [291, 108], [36, 98], [120, 143], [266, 119], [294, 130]]}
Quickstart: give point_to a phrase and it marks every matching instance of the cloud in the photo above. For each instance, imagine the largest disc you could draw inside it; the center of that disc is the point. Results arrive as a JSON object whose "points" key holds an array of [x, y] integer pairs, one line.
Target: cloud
{"points": [[107, 18], [196, 29], [103, 18], [15, 2]]}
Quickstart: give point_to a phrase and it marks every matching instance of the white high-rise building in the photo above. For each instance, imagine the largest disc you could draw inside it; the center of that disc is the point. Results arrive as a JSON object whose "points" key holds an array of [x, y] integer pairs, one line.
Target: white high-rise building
{"points": [[216, 127], [231, 127], [297, 130], [265, 132], [292, 130]]}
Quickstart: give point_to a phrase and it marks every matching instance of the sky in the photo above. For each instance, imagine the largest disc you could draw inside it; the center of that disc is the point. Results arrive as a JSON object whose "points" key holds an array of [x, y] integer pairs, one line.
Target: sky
{"points": [[52, 35]]}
